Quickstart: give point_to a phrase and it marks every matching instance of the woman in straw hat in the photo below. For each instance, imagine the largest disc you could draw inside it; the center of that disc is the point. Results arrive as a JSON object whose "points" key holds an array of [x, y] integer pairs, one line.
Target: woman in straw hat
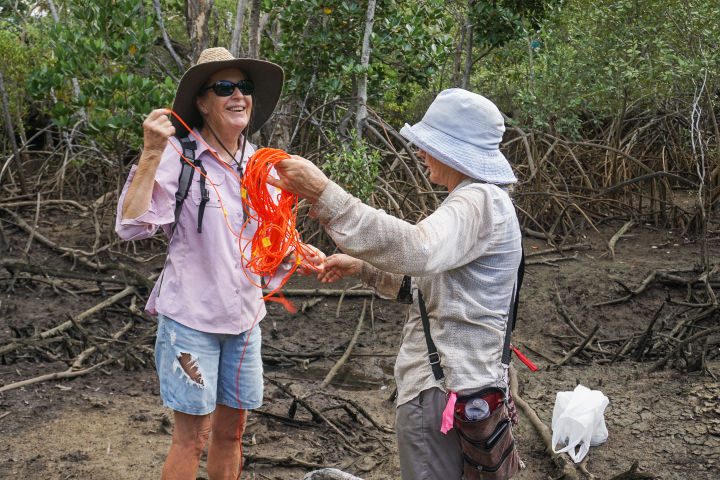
{"points": [[458, 267], [206, 305]]}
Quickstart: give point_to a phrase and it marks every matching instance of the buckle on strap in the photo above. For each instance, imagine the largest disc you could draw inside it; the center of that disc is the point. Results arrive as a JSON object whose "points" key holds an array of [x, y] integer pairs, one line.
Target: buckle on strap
{"points": [[434, 358]]}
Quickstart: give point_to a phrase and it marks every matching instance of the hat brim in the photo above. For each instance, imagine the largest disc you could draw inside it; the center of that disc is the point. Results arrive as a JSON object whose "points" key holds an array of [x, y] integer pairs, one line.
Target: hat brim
{"points": [[267, 77], [490, 166]]}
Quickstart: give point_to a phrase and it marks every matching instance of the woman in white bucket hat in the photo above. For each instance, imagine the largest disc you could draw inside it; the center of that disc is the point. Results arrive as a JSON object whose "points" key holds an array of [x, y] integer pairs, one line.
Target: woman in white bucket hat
{"points": [[207, 351], [460, 264]]}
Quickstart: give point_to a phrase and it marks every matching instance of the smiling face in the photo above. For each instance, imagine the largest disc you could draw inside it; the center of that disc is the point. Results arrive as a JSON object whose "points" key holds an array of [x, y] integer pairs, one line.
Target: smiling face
{"points": [[225, 114]]}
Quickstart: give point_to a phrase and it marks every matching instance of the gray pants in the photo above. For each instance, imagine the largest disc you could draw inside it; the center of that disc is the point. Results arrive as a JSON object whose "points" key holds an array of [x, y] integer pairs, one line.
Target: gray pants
{"points": [[425, 452]]}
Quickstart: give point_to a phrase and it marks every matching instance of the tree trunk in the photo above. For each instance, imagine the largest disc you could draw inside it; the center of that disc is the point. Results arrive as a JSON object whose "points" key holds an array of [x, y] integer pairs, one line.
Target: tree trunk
{"points": [[166, 38], [468, 56], [240, 12], [468, 46], [254, 29], [262, 25], [11, 135], [458, 58], [364, 61], [76, 85], [197, 15]]}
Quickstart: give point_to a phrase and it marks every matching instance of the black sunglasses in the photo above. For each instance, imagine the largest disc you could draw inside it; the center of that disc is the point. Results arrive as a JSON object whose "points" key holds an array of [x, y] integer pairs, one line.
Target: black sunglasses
{"points": [[225, 88]]}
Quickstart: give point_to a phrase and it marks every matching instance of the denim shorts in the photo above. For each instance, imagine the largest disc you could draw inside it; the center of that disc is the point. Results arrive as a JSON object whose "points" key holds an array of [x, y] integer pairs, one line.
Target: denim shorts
{"points": [[215, 359]]}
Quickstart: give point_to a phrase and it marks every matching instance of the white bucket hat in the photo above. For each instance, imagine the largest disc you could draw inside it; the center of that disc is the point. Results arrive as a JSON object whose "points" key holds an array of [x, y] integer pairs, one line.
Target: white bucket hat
{"points": [[463, 130]]}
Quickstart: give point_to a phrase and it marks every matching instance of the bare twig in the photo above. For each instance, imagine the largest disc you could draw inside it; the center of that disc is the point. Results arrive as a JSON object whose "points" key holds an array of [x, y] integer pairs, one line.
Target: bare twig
{"points": [[166, 38], [560, 248], [288, 461], [661, 363], [69, 373], [633, 474], [645, 339], [312, 292], [127, 276], [617, 236], [349, 348], [648, 280], [564, 315], [316, 414], [82, 356], [580, 347], [364, 414], [34, 227]]}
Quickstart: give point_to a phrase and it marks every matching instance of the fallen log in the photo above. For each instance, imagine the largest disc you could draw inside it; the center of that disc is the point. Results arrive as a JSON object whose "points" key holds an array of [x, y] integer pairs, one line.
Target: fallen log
{"points": [[311, 292], [126, 275]]}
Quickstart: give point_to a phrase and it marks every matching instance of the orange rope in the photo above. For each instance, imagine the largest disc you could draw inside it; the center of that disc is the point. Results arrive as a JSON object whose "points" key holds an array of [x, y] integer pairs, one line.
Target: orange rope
{"points": [[276, 236]]}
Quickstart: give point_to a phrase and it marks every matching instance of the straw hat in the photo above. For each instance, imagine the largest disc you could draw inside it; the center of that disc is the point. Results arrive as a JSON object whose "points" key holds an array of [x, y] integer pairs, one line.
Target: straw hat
{"points": [[463, 130], [267, 77]]}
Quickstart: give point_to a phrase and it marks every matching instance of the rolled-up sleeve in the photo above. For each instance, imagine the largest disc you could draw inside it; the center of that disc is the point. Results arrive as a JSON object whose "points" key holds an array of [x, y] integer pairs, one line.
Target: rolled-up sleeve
{"points": [[160, 213]]}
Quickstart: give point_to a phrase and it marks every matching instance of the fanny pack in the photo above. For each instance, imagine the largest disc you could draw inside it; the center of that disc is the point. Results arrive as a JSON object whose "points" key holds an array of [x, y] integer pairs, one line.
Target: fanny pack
{"points": [[488, 445]]}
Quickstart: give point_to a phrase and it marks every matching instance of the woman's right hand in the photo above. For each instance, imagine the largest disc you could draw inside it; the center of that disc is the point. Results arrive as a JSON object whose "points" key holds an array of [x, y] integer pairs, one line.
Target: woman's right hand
{"points": [[338, 266], [157, 130]]}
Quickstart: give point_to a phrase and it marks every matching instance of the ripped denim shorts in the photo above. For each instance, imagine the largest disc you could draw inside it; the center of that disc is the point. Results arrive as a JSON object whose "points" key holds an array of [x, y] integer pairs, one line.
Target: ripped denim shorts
{"points": [[198, 370]]}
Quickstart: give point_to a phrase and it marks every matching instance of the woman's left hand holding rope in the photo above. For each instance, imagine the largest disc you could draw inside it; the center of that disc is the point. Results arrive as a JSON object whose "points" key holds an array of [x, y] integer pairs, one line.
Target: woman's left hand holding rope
{"points": [[299, 176]]}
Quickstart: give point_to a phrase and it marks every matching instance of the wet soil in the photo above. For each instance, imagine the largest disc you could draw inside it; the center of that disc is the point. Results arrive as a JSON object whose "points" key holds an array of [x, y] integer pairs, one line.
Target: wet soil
{"points": [[110, 423]]}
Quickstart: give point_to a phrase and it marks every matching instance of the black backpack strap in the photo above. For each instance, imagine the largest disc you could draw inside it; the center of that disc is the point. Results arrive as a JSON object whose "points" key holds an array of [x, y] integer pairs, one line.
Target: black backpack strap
{"points": [[521, 274], [512, 313], [205, 196], [186, 176], [185, 180], [433, 354], [432, 350]]}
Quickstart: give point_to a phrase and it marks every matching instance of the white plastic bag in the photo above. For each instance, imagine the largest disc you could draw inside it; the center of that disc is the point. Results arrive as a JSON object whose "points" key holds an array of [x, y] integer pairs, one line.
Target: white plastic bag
{"points": [[578, 421]]}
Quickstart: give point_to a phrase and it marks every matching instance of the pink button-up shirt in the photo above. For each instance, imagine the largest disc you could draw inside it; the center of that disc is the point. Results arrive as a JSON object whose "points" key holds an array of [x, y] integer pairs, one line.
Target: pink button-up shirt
{"points": [[203, 285]]}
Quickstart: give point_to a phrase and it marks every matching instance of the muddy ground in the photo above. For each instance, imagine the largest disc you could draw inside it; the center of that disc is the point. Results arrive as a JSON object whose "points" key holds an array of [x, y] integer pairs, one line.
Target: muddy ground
{"points": [[110, 423]]}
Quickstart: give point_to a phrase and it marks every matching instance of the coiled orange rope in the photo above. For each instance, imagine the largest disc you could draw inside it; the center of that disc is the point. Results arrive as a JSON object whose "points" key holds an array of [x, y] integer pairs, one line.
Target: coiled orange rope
{"points": [[276, 236]]}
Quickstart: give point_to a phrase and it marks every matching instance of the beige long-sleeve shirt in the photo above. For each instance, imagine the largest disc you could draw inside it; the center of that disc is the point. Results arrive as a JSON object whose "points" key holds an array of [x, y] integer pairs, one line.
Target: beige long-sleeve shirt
{"points": [[463, 258]]}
